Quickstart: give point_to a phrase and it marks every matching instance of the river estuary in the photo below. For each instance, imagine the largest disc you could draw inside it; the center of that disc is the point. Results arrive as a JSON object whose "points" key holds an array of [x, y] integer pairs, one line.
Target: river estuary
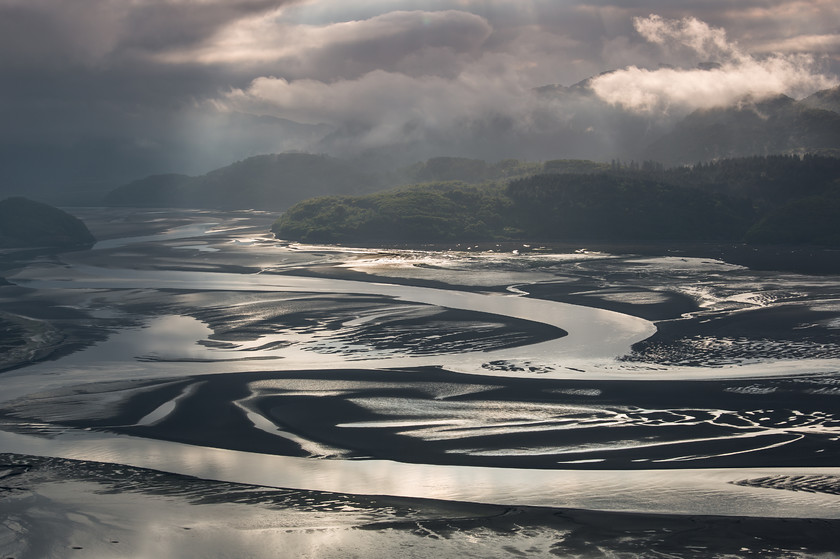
{"points": [[194, 343]]}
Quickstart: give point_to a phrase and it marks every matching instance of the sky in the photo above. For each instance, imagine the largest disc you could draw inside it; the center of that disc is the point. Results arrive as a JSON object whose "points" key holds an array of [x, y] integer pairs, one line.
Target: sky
{"points": [[105, 90]]}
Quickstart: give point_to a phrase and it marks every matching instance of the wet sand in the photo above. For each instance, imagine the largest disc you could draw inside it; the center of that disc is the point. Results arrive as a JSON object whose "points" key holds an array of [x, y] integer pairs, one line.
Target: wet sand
{"points": [[432, 416], [781, 421], [57, 508]]}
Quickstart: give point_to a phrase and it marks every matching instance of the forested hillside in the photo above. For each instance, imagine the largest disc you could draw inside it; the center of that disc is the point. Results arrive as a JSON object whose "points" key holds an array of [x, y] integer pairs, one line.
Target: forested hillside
{"points": [[778, 199]]}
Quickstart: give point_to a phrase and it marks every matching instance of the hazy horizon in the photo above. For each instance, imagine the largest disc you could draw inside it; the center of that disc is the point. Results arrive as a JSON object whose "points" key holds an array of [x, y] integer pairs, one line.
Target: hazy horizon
{"points": [[104, 90]]}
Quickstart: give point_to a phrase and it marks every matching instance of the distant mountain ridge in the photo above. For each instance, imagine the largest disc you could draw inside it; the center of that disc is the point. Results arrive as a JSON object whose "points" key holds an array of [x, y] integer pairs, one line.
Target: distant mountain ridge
{"points": [[777, 125], [267, 182], [752, 126], [557, 122], [276, 182], [827, 99]]}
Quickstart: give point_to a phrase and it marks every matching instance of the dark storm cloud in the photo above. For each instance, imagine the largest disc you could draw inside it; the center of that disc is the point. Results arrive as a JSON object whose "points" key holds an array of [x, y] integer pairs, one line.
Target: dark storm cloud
{"points": [[72, 61], [103, 32], [495, 82], [408, 42], [83, 96]]}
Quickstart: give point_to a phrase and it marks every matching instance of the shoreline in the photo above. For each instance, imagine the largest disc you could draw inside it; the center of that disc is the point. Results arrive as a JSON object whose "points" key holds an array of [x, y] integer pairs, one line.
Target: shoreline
{"points": [[805, 259]]}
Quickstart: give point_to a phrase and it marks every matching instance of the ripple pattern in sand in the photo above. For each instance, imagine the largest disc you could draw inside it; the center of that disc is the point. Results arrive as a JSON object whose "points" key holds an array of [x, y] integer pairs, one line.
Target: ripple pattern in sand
{"points": [[809, 483]]}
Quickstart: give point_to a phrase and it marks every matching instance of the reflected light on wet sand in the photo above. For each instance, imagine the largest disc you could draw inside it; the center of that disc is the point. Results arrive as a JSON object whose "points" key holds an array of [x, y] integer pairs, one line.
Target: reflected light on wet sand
{"points": [[707, 491]]}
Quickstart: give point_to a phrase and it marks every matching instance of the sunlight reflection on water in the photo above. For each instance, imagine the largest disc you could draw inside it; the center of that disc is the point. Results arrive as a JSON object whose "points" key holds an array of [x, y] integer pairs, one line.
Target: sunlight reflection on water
{"points": [[593, 333], [596, 338], [707, 491]]}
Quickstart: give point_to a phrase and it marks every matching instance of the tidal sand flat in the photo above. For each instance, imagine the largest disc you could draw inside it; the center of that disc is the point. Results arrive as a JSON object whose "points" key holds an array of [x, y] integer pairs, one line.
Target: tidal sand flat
{"points": [[648, 404], [57, 508], [433, 416]]}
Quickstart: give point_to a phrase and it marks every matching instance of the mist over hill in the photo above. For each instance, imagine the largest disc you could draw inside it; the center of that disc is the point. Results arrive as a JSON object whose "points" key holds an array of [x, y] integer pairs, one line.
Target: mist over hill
{"points": [[564, 123], [272, 182], [778, 125], [826, 99], [81, 170], [583, 127], [262, 182]]}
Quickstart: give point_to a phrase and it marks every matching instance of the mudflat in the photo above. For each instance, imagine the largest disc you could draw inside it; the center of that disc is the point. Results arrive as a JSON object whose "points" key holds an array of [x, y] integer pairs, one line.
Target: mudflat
{"points": [[198, 332]]}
